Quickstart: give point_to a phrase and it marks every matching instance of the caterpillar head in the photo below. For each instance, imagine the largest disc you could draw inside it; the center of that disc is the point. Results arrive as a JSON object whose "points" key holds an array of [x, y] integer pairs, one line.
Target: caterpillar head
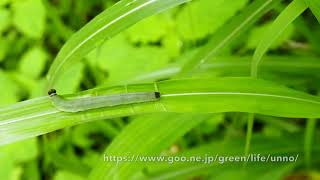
{"points": [[52, 92], [157, 94]]}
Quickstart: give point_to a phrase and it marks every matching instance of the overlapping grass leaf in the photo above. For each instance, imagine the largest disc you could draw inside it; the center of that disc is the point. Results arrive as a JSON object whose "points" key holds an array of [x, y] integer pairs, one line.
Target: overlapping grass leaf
{"points": [[104, 26]]}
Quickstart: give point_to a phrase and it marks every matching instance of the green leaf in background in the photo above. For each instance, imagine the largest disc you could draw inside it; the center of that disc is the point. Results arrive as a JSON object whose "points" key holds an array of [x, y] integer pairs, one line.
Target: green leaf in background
{"points": [[22, 151], [210, 124], [200, 18], [9, 89], [31, 170], [314, 5], [39, 88], [278, 123], [81, 134], [7, 166], [29, 17], [71, 79], [103, 27], [286, 17], [5, 19], [151, 29], [259, 31], [4, 2], [33, 62], [3, 48], [13, 154], [270, 130], [172, 44], [63, 175], [121, 66], [28, 78]]}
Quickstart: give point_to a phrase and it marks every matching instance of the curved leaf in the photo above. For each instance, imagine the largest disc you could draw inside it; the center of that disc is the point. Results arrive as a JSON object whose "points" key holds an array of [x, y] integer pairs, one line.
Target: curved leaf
{"points": [[287, 16], [102, 27]]}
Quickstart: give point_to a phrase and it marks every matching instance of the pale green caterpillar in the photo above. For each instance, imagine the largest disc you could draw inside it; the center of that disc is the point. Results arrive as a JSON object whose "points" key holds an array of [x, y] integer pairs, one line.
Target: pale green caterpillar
{"points": [[87, 103]]}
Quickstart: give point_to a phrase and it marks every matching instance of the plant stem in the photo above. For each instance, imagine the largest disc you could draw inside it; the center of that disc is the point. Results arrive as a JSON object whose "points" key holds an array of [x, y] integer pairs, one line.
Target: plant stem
{"points": [[310, 128], [249, 133]]}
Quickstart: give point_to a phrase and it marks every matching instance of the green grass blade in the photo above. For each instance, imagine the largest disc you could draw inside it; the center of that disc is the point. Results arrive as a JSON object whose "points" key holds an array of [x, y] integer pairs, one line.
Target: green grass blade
{"points": [[287, 16], [229, 32], [314, 5], [293, 66], [250, 124], [38, 116], [104, 26], [309, 138]]}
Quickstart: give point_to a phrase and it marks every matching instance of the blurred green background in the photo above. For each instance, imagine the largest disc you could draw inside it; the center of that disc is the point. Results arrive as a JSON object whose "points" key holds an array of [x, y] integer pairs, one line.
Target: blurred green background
{"points": [[33, 31]]}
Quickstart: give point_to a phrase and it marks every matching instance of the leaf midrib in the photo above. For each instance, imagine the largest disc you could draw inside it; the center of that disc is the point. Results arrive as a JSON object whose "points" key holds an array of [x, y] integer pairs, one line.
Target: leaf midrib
{"points": [[242, 94]]}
